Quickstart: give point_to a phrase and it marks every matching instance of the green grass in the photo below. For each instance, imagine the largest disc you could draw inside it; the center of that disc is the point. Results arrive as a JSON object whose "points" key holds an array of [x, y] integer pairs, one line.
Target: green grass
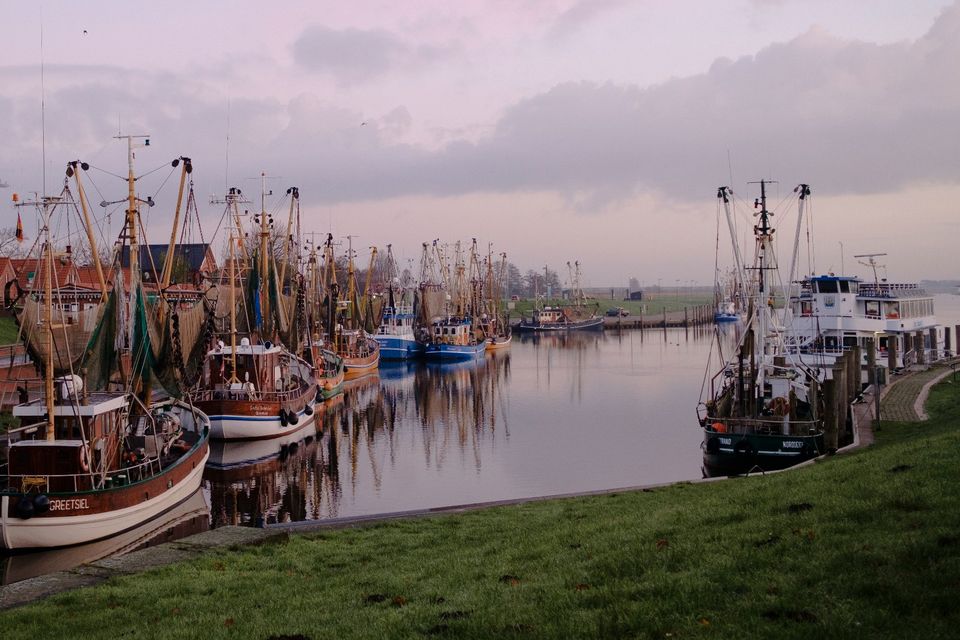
{"points": [[865, 545], [652, 306], [8, 330]]}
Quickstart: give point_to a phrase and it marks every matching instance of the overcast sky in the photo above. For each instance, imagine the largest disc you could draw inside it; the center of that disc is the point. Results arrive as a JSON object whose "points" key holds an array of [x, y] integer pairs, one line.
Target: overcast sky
{"points": [[556, 129]]}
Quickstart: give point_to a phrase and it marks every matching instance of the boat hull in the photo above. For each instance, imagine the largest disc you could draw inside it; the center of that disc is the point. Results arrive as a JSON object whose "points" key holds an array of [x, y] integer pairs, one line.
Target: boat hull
{"points": [[397, 348], [500, 342], [454, 352], [736, 454], [590, 324], [87, 516], [725, 317], [253, 419]]}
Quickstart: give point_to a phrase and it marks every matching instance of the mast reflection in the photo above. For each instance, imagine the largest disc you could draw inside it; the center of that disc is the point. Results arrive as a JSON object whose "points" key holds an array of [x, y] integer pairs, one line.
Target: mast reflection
{"points": [[435, 411]]}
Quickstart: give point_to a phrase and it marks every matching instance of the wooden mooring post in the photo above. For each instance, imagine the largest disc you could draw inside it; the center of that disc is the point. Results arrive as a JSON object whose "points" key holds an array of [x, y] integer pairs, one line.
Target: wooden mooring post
{"points": [[934, 352], [829, 415], [891, 352], [918, 347]]}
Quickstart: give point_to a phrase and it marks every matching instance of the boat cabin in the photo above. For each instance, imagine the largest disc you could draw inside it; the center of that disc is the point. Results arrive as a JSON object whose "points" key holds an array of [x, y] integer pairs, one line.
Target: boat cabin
{"points": [[453, 332], [260, 367], [64, 463]]}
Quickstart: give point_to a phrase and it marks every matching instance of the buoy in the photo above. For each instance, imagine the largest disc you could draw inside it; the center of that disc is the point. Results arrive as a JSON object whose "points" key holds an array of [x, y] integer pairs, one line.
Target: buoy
{"points": [[25, 508], [292, 417], [41, 503], [283, 418], [308, 410], [719, 427]]}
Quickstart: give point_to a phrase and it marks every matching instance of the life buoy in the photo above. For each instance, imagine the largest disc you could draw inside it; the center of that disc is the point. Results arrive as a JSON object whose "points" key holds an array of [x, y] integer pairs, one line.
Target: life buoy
{"points": [[780, 406], [84, 460]]}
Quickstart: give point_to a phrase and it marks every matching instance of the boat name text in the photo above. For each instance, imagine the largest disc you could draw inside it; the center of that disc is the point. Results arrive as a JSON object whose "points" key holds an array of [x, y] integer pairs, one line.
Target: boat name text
{"points": [[792, 444], [69, 504]]}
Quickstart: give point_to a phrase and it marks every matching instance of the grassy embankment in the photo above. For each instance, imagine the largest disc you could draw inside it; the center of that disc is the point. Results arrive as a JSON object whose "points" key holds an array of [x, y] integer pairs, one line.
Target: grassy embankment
{"points": [[864, 545], [652, 306]]}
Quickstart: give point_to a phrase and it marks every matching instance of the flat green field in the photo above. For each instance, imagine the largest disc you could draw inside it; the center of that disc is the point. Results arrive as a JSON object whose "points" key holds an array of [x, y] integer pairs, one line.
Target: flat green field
{"points": [[653, 305], [864, 545]]}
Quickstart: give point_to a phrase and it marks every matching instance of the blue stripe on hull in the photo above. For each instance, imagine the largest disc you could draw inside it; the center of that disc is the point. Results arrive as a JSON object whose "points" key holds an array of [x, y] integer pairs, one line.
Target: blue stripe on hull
{"points": [[392, 348], [455, 352]]}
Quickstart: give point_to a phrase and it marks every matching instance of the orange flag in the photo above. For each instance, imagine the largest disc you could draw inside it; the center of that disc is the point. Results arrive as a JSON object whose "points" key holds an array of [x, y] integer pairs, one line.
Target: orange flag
{"points": [[19, 228]]}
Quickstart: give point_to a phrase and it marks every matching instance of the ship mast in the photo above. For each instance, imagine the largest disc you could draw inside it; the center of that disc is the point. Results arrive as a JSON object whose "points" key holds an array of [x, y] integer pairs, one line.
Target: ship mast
{"points": [[48, 203], [264, 244]]}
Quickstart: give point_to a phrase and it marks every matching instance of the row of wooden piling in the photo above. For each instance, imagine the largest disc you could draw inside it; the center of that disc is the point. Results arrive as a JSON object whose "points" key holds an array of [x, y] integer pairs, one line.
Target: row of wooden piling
{"points": [[691, 316], [845, 385]]}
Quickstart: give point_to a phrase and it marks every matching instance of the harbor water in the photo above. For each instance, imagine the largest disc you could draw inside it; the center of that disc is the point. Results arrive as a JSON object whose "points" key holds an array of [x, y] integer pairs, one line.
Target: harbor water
{"points": [[553, 414]]}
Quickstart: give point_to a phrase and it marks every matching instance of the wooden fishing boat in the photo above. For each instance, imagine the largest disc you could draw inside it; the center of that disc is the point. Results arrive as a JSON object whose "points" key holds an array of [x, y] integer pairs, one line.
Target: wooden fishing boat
{"points": [[360, 353], [576, 316], [278, 390], [89, 464], [763, 412], [257, 388], [190, 517]]}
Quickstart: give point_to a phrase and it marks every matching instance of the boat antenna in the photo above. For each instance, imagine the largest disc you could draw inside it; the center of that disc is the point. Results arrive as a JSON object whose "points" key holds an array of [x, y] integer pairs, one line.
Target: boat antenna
{"points": [[226, 164], [43, 110], [872, 263]]}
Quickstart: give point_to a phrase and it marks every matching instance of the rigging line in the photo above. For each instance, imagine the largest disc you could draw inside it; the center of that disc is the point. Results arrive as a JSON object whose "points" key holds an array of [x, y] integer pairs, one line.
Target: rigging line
{"points": [[162, 184], [109, 173]]}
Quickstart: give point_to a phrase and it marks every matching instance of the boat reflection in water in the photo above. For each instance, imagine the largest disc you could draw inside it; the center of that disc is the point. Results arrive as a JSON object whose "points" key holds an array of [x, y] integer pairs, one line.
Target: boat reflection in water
{"points": [[380, 424], [187, 518]]}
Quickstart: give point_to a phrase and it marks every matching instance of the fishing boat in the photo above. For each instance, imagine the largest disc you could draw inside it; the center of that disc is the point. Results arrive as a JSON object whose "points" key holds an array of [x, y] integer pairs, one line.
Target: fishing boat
{"points": [[255, 387], [493, 322], [577, 316], [762, 412], [190, 517], [454, 336], [832, 314], [350, 321], [396, 331], [453, 339], [91, 460]]}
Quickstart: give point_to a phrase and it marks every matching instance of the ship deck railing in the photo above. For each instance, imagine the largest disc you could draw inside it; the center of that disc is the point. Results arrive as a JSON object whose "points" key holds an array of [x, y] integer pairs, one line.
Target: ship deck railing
{"points": [[86, 481], [774, 425], [250, 394]]}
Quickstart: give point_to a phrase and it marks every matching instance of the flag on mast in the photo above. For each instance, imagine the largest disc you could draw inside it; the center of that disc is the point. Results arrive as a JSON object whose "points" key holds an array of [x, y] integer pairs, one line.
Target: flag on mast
{"points": [[19, 228]]}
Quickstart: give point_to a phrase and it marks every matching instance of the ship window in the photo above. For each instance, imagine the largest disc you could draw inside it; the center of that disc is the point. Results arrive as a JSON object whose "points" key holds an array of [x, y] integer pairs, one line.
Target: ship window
{"points": [[827, 286], [872, 307], [844, 286]]}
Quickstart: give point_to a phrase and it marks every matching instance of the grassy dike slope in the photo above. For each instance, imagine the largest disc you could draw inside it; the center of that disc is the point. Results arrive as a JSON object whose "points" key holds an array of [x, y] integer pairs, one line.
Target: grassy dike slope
{"points": [[862, 545]]}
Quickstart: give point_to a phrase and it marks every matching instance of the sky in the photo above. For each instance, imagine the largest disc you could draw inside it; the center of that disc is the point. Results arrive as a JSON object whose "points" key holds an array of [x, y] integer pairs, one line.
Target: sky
{"points": [[558, 130]]}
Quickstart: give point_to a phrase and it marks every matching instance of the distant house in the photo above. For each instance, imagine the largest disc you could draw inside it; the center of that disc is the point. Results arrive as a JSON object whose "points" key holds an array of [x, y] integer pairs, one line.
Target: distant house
{"points": [[192, 262], [635, 295]]}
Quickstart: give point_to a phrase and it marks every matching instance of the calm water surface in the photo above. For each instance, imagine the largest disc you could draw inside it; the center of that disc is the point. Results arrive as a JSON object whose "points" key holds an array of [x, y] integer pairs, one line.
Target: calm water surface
{"points": [[553, 414]]}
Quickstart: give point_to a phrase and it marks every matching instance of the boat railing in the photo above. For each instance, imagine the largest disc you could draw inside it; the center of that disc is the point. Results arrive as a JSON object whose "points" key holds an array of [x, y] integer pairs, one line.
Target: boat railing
{"points": [[778, 425], [251, 394], [87, 481], [887, 289]]}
